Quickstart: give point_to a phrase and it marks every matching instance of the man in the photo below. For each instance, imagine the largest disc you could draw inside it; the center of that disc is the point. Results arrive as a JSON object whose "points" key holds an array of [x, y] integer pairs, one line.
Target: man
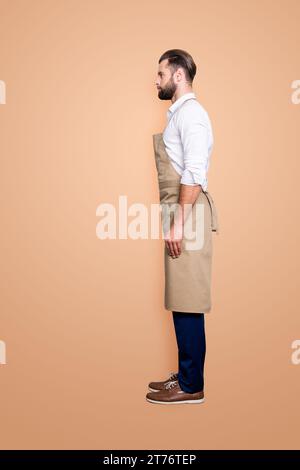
{"points": [[182, 154]]}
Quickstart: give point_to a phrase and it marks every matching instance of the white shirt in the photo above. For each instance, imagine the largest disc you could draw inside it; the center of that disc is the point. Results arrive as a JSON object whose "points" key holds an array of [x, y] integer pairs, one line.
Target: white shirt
{"points": [[188, 139]]}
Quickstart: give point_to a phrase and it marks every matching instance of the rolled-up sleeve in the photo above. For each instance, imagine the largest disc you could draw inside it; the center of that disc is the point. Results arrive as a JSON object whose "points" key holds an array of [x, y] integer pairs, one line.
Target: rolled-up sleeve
{"points": [[194, 135]]}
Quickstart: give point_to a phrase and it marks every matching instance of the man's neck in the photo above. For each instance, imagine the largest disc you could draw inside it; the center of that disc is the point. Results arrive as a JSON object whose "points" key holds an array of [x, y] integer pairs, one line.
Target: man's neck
{"points": [[178, 95]]}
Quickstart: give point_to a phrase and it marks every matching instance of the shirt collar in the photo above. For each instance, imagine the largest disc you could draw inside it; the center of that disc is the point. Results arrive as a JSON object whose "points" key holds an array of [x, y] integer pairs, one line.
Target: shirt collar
{"points": [[180, 101]]}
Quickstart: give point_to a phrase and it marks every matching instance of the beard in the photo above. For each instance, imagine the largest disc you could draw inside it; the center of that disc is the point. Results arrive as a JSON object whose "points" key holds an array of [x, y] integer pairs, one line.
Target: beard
{"points": [[168, 91]]}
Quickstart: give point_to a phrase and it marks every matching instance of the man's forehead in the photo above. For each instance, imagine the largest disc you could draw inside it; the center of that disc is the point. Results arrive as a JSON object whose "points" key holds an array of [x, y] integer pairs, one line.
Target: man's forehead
{"points": [[162, 67]]}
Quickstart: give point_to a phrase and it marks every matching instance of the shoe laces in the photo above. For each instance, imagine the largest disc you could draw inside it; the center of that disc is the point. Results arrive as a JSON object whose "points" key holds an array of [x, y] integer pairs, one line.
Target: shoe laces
{"points": [[171, 384], [173, 376]]}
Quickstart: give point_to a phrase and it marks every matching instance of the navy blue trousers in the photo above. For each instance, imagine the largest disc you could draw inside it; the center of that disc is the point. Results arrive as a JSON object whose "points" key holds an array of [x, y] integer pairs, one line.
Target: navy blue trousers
{"points": [[190, 336]]}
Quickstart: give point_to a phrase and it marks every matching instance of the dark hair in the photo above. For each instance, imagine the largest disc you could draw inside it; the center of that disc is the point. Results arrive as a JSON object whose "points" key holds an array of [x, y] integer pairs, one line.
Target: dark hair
{"points": [[179, 58]]}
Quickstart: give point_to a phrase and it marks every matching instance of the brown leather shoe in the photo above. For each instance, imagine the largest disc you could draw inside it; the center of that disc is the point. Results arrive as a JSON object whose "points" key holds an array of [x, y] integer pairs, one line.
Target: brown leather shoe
{"points": [[173, 394], [156, 386]]}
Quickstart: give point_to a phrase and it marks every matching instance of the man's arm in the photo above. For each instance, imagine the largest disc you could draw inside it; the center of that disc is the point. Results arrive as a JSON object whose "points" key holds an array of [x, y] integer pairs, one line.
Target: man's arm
{"points": [[187, 197], [194, 137]]}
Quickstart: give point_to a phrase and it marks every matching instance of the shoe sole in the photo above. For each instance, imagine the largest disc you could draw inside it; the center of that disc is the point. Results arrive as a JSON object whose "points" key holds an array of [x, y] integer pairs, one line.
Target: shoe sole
{"points": [[179, 402]]}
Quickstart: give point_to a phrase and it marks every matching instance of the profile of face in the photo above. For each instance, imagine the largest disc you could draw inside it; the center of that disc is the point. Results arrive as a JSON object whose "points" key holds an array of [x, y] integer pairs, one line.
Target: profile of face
{"points": [[165, 81]]}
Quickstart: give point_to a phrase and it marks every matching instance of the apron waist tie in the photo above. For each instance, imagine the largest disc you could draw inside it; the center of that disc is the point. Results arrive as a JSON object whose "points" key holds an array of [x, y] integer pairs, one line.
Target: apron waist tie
{"points": [[214, 216]]}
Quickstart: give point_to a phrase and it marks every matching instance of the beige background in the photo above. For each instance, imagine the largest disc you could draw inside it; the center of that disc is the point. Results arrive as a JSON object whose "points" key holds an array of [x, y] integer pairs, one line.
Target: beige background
{"points": [[83, 319]]}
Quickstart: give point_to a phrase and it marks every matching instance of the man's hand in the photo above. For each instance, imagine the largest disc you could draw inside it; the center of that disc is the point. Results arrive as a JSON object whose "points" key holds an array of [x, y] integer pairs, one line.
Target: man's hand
{"points": [[173, 240], [188, 194]]}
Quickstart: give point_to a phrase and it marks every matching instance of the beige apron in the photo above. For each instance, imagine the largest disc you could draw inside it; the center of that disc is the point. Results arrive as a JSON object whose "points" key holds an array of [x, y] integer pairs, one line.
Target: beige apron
{"points": [[188, 277]]}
